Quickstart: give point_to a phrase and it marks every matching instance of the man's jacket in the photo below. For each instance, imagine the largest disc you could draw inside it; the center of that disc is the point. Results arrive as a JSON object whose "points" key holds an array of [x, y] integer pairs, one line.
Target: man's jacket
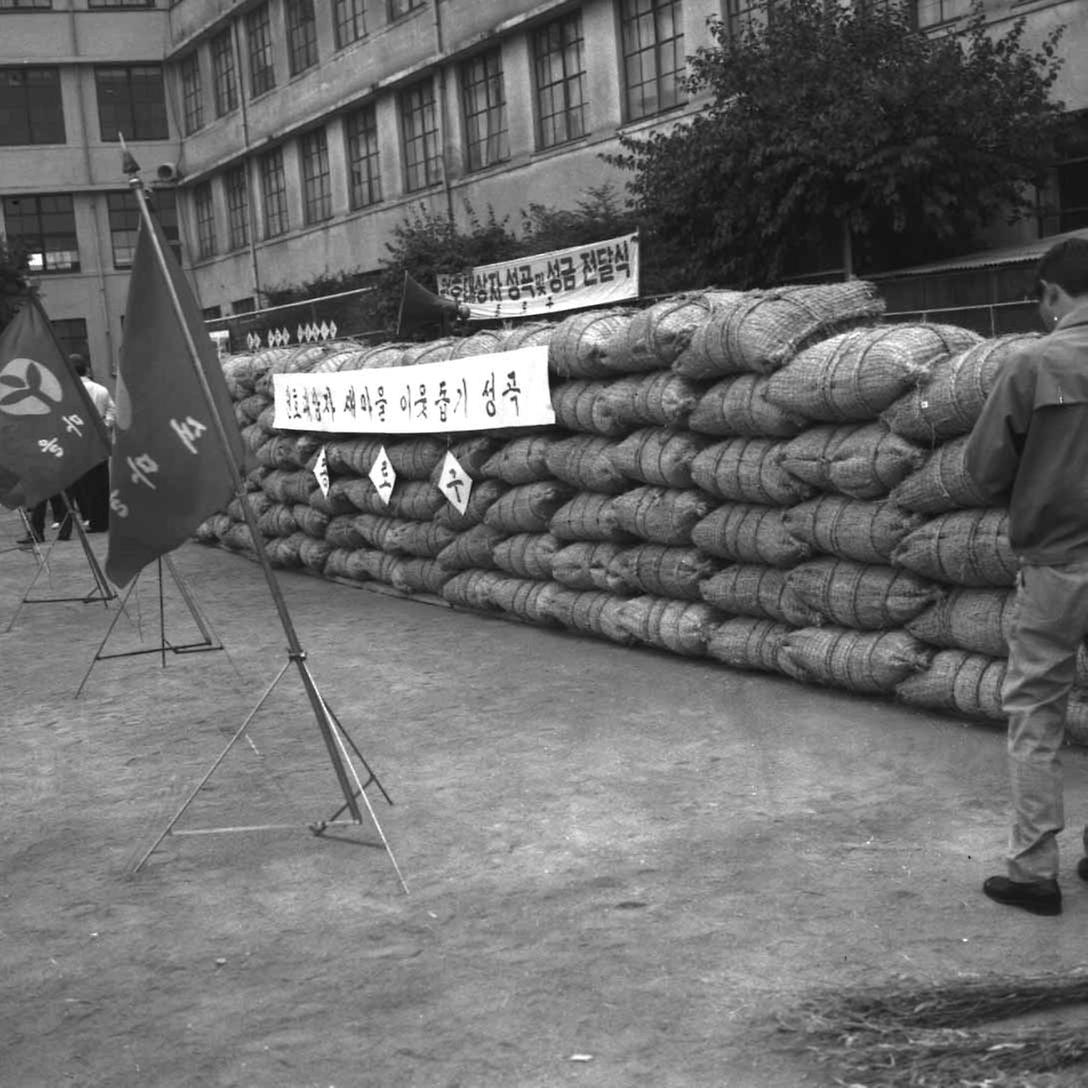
{"points": [[1029, 447]]}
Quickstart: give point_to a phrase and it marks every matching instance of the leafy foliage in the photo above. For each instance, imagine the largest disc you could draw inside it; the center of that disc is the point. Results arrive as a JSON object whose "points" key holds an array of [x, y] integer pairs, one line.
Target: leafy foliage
{"points": [[13, 279], [843, 123]]}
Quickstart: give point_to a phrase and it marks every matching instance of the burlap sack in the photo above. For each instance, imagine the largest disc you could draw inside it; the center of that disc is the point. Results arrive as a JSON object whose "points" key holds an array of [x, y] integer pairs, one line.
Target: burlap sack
{"points": [[257, 501], [864, 596], [471, 453], [748, 470], [520, 461], [963, 548], [310, 521], [283, 551], [867, 532], [949, 402], [526, 555], [336, 502], [656, 335], [584, 461], [254, 436], [313, 554], [660, 398], [471, 589], [746, 643], [375, 531], [864, 661], [371, 564], [288, 486], [352, 455], [661, 515], [591, 613], [678, 626], [941, 484], [336, 565], [415, 458], [432, 351], [238, 538], [423, 539], [524, 598], [526, 334], [967, 683], [417, 500], [528, 508], [747, 533], [481, 342], [762, 330], [857, 374], [480, 498], [341, 532], [584, 406], [976, 620], [418, 575], [662, 571], [590, 517], [586, 565], [382, 356], [657, 455], [471, 548], [756, 590], [581, 346], [250, 408], [739, 406]]}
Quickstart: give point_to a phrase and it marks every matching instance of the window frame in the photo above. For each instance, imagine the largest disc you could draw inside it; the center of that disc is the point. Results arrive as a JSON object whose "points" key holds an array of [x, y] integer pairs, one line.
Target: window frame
{"points": [[192, 96], [424, 170], [348, 14], [235, 185], [276, 215], [635, 51], [548, 132], [313, 153], [939, 6], [259, 51], [301, 25], [363, 154], [31, 109], [224, 73], [41, 235], [123, 221], [492, 146], [155, 124], [399, 9], [204, 220]]}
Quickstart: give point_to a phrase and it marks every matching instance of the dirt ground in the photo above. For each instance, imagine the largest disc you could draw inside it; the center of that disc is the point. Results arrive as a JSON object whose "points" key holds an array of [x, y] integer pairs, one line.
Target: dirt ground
{"points": [[620, 863]]}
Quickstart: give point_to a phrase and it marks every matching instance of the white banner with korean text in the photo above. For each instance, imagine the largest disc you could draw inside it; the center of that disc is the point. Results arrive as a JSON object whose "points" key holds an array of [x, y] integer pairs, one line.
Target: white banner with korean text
{"points": [[477, 393], [566, 279]]}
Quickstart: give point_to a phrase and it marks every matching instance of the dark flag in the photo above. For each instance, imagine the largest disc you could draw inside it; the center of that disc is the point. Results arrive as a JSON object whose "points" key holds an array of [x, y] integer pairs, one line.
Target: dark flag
{"points": [[50, 433], [169, 470]]}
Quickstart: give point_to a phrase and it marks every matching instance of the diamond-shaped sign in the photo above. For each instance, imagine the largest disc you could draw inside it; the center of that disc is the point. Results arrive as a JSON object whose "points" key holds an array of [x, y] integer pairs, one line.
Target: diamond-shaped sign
{"points": [[321, 471], [454, 482], [382, 475]]}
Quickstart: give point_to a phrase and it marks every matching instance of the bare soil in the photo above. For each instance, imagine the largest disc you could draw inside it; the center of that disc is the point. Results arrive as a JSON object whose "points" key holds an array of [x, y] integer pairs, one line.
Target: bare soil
{"points": [[621, 864]]}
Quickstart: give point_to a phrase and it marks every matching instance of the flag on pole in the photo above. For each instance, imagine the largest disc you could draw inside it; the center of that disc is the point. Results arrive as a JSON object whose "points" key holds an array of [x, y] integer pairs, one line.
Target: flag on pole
{"points": [[168, 471], [50, 433]]}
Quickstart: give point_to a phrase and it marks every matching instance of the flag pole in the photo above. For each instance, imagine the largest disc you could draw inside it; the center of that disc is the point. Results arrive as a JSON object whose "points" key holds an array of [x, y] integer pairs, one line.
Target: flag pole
{"points": [[296, 653]]}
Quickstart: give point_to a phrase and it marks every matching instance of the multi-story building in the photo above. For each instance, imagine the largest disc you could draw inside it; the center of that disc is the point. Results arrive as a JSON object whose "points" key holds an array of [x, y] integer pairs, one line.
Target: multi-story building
{"points": [[285, 139]]}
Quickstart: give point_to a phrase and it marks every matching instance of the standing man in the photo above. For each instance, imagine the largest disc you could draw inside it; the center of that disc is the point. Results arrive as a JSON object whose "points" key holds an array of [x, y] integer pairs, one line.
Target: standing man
{"points": [[1030, 448], [93, 487]]}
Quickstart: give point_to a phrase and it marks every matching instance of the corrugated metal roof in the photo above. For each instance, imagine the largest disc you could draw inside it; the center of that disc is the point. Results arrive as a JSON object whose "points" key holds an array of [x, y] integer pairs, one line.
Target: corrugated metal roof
{"points": [[987, 258]]}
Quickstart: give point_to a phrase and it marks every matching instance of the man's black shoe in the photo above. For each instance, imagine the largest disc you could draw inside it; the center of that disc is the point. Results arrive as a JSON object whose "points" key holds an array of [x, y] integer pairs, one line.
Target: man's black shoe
{"points": [[26, 541], [1039, 897]]}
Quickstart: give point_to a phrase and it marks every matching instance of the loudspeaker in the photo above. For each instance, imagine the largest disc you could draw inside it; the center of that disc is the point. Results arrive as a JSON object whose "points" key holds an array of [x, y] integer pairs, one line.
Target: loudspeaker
{"points": [[420, 307]]}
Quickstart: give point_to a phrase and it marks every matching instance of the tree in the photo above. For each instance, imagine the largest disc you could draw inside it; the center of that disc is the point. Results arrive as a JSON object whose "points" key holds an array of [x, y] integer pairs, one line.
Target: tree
{"points": [[13, 279], [842, 122]]}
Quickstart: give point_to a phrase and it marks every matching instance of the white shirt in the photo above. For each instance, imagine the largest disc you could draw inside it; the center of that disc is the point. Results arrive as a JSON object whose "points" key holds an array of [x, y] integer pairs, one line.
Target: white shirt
{"points": [[101, 399]]}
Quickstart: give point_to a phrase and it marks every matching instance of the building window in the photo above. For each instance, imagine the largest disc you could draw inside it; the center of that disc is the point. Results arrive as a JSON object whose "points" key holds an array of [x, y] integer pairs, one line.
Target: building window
{"points": [[653, 55], [262, 72], [243, 305], [31, 107], [742, 16], [362, 134], [224, 79], [935, 12], [301, 36], [124, 216], [237, 188], [212, 313], [560, 81], [192, 100], [419, 135], [92, 4], [274, 193], [131, 102], [71, 334], [349, 21], [1064, 202], [484, 104], [23, 5], [316, 191], [45, 228], [397, 8], [204, 210]]}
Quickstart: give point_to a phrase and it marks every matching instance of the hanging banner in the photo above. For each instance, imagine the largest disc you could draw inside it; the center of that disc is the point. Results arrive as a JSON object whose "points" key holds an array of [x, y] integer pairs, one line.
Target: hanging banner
{"points": [[477, 393], [566, 279]]}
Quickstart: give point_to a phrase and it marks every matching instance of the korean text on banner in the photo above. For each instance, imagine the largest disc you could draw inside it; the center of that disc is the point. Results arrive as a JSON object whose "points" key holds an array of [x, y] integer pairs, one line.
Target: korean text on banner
{"points": [[477, 393], [566, 279], [50, 433], [168, 471]]}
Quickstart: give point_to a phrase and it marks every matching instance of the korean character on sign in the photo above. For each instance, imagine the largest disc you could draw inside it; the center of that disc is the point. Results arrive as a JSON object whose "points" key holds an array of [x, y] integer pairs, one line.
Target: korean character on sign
{"points": [[384, 483], [188, 431], [380, 404], [455, 482], [294, 411], [350, 402], [489, 394], [117, 506], [540, 286], [50, 445], [512, 390], [561, 275], [589, 267], [621, 259], [141, 467], [604, 264], [305, 405], [513, 285], [366, 402], [420, 403], [442, 401], [461, 404], [406, 401], [72, 424], [494, 287], [525, 278]]}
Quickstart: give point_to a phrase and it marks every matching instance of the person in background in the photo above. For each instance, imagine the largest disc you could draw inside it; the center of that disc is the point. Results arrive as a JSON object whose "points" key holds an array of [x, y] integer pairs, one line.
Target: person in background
{"points": [[93, 487], [62, 520], [1029, 447]]}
